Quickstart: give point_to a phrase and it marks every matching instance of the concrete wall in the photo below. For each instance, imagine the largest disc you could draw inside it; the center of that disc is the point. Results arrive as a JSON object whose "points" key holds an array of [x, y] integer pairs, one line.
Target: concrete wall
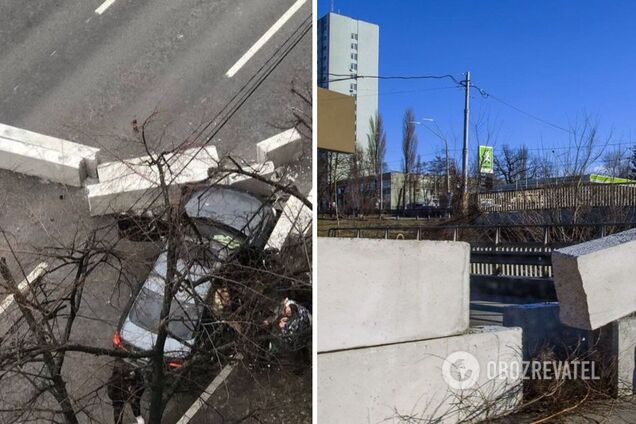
{"points": [[46, 157], [375, 292], [596, 281], [377, 384]]}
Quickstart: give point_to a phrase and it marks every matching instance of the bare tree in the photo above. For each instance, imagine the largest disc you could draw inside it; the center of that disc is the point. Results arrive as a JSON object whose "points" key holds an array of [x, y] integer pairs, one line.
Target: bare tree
{"points": [[616, 162], [409, 151], [511, 164], [376, 151]]}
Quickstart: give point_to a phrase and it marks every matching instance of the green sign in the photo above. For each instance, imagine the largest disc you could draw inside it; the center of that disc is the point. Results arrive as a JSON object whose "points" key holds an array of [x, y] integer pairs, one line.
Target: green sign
{"points": [[486, 159], [605, 179]]}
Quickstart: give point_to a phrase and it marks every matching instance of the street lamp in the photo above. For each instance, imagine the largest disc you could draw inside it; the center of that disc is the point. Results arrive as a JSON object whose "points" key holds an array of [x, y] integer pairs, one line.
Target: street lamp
{"points": [[439, 134]]}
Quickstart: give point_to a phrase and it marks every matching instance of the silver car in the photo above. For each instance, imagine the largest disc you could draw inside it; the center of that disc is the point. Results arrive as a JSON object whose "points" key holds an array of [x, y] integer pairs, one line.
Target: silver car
{"points": [[223, 223]]}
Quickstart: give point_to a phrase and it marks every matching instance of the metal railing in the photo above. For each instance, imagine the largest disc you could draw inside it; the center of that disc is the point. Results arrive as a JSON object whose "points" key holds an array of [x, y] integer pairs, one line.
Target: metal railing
{"points": [[535, 234]]}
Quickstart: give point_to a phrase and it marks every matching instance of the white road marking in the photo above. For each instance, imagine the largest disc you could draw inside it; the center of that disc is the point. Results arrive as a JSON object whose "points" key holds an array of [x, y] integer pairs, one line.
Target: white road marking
{"points": [[30, 279], [261, 41], [194, 408], [101, 9]]}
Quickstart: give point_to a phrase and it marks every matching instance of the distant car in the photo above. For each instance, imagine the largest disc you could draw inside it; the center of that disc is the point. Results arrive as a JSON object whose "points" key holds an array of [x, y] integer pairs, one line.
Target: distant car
{"points": [[223, 223]]}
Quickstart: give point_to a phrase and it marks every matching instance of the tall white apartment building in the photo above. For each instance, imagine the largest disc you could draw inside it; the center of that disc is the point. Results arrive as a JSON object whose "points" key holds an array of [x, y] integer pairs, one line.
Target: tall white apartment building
{"points": [[349, 47]]}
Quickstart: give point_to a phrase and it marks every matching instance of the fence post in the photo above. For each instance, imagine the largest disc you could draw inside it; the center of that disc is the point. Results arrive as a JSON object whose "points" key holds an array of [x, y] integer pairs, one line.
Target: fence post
{"points": [[386, 233], [455, 234], [358, 233], [497, 235], [419, 233], [546, 235]]}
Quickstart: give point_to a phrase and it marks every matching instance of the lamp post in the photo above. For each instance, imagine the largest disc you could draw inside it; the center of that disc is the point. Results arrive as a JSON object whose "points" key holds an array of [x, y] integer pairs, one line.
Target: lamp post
{"points": [[439, 134]]}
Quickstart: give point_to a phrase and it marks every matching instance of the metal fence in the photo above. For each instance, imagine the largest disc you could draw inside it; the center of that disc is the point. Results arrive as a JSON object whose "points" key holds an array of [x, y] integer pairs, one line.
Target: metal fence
{"points": [[557, 197]]}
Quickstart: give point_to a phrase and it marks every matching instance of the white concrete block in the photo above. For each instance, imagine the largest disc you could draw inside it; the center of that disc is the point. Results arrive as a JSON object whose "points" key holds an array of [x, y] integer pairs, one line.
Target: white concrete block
{"points": [[295, 221], [375, 292], [595, 281], [281, 149], [247, 183], [133, 184], [386, 384], [187, 166], [40, 162], [126, 194], [47, 157], [624, 355]]}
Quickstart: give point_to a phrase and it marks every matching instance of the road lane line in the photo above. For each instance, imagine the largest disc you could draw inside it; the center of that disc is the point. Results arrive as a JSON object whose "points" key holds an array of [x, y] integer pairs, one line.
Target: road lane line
{"points": [[194, 408], [261, 41], [36, 274], [101, 9]]}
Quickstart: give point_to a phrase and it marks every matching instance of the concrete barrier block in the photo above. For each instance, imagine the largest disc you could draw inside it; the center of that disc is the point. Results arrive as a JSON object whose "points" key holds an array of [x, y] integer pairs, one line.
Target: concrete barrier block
{"points": [[190, 165], [40, 162], [133, 184], [37, 148], [295, 221], [387, 384], [375, 292], [127, 194], [281, 149], [252, 185], [624, 355], [595, 280]]}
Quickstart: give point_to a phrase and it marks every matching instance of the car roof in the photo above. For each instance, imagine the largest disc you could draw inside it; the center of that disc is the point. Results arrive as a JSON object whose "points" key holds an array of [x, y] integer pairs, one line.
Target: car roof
{"points": [[233, 208], [156, 281]]}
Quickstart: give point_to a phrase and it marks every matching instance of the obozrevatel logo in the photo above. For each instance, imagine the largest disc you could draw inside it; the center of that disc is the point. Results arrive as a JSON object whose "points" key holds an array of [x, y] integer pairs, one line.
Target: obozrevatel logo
{"points": [[460, 370]]}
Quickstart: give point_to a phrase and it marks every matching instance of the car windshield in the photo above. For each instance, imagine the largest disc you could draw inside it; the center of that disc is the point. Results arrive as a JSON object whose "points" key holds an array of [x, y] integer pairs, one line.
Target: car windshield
{"points": [[146, 311], [231, 208], [228, 239]]}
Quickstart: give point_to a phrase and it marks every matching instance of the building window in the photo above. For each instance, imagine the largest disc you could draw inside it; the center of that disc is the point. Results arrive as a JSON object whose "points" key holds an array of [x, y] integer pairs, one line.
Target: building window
{"points": [[354, 46], [354, 56], [354, 36], [354, 66], [354, 86]]}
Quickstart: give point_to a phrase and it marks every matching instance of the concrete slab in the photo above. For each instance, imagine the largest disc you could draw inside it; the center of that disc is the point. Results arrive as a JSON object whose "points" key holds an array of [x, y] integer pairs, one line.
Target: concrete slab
{"points": [[127, 194], [189, 165], [133, 184], [594, 280], [295, 221], [281, 149], [375, 292], [405, 382], [247, 183], [51, 158]]}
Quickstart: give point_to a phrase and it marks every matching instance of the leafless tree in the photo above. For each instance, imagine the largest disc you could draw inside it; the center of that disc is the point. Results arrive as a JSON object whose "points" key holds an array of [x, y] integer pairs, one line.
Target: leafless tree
{"points": [[376, 151], [409, 151], [616, 162]]}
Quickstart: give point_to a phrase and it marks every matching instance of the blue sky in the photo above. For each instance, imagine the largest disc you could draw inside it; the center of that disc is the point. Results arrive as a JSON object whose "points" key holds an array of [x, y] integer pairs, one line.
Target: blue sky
{"points": [[556, 59]]}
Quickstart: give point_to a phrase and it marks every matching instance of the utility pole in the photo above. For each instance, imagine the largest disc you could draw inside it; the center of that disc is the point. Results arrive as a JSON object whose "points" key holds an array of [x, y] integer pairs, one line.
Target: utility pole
{"points": [[465, 149]]}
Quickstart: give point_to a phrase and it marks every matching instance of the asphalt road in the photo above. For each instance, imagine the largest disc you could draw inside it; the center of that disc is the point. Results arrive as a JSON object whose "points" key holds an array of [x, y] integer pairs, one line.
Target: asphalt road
{"points": [[70, 72]]}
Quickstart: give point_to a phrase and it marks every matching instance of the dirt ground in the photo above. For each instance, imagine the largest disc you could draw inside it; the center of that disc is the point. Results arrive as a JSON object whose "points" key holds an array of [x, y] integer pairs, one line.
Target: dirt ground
{"points": [[249, 396]]}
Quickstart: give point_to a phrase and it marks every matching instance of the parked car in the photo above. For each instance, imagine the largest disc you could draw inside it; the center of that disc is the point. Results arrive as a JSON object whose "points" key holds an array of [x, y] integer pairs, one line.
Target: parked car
{"points": [[222, 223]]}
